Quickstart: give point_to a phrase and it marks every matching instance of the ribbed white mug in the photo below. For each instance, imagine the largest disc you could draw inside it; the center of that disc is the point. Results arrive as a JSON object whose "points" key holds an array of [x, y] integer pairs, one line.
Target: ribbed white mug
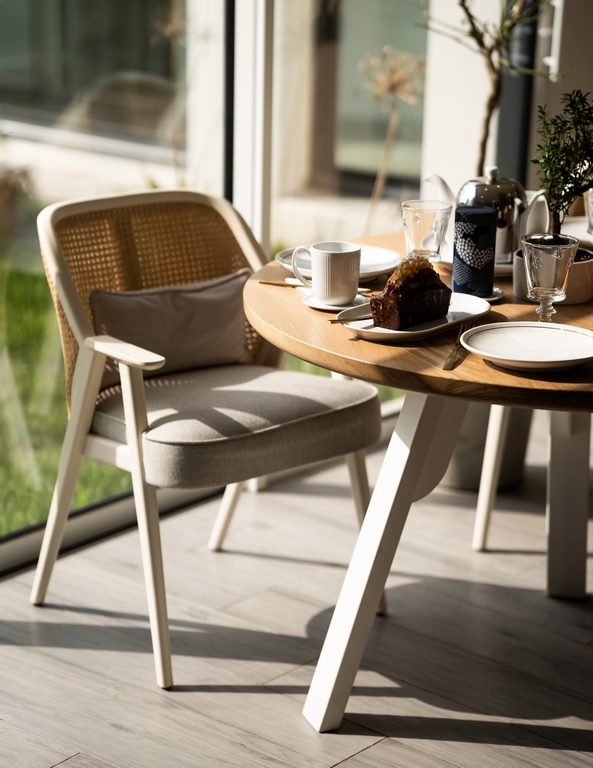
{"points": [[335, 271]]}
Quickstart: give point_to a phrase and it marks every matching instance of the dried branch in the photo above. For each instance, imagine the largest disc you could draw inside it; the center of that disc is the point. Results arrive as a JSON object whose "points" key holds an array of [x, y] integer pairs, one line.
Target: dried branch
{"points": [[492, 42]]}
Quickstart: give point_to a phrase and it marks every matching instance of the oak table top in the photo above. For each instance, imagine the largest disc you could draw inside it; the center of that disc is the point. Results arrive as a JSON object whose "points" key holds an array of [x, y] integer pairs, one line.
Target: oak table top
{"points": [[280, 316]]}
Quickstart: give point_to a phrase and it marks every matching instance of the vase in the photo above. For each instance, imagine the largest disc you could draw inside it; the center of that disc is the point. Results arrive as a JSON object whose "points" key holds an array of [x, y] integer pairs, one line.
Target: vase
{"points": [[580, 278], [465, 469]]}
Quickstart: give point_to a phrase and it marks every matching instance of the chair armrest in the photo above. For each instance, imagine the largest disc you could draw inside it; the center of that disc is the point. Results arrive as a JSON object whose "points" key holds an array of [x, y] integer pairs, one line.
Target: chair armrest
{"points": [[125, 353]]}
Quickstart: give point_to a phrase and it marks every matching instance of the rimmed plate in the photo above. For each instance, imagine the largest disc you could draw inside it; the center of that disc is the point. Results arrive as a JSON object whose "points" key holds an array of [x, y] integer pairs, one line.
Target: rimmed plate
{"points": [[374, 262], [462, 309], [314, 303], [531, 346]]}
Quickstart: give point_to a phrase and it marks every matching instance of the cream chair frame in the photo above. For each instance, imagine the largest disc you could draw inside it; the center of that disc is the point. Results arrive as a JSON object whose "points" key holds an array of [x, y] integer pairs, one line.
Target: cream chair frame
{"points": [[79, 441]]}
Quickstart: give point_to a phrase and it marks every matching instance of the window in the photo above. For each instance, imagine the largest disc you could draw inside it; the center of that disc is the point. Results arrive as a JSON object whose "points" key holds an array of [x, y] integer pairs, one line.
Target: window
{"points": [[361, 124], [105, 69], [110, 68]]}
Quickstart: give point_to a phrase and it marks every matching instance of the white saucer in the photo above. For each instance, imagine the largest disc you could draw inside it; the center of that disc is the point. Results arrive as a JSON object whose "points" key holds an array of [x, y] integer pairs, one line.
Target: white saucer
{"points": [[496, 295], [374, 261], [314, 303], [531, 346]]}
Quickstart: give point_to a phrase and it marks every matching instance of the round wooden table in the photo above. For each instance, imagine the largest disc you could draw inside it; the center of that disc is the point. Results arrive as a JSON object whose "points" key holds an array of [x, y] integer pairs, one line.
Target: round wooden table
{"points": [[422, 444], [280, 316]]}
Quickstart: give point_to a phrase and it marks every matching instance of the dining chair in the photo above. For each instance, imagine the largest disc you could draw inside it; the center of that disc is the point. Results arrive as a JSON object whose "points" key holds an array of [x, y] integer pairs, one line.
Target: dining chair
{"points": [[166, 379]]}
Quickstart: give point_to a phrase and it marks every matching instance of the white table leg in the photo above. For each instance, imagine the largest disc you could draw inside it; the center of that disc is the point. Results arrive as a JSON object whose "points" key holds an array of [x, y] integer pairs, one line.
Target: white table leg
{"points": [[416, 459], [498, 427], [568, 503]]}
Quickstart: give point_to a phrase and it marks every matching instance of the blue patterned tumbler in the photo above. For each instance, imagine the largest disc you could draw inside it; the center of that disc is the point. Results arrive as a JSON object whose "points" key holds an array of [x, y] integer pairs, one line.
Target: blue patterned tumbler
{"points": [[473, 250]]}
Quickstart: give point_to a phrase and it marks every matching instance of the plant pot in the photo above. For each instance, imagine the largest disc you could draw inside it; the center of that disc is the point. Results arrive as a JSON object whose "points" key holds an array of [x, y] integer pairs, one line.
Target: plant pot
{"points": [[580, 278], [465, 469]]}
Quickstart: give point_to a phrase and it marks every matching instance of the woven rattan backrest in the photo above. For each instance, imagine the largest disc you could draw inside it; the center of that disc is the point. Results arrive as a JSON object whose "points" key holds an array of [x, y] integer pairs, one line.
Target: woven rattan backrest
{"points": [[147, 245]]}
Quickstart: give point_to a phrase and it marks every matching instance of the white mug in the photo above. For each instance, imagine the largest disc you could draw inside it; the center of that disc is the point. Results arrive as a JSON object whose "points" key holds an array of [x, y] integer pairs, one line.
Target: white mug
{"points": [[335, 271]]}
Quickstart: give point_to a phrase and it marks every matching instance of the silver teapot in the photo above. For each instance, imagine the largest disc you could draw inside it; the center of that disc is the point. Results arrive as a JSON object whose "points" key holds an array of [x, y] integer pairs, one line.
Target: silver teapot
{"points": [[516, 217]]}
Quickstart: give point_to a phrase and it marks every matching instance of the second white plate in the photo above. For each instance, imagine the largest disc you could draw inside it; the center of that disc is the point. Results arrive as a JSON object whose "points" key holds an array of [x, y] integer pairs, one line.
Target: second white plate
{"points": [[531, 346], [373, 262], [462, 309]]}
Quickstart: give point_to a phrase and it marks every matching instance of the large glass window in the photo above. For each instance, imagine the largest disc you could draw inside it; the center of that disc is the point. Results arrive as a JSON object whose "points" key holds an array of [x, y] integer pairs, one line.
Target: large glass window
{"points": [[32, 390], [364, 29], [111, 68], [329, 132], [115, 71]]}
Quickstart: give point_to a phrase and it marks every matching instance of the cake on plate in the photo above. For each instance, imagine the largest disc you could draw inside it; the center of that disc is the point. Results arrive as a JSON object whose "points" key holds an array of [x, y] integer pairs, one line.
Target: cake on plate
{"points": [[413, 294]]}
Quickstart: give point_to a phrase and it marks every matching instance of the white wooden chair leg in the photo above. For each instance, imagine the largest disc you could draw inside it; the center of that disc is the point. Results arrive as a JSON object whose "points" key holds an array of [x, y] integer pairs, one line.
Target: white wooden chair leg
{"points": [[89, 368], [148, 524], [498, 425], [230, 499], [359, 482], [56, 521]]}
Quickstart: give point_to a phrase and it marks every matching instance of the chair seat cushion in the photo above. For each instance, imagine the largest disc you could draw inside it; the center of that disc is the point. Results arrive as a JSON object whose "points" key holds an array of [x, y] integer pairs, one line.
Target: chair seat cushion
{"points": [[215, 426]]}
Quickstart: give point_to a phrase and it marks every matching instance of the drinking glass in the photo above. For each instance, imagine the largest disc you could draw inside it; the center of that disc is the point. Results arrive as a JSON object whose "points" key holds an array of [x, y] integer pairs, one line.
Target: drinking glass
{"points": [[548, 259], [425, 224]]}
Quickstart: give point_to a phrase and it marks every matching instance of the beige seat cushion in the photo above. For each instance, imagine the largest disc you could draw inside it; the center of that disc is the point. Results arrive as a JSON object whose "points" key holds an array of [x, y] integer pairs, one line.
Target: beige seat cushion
{"points": [[215, 426]]}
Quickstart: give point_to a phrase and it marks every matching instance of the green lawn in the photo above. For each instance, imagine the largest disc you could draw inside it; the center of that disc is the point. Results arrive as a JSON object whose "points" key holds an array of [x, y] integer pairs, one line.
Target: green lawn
{"points": [[32, 405]]}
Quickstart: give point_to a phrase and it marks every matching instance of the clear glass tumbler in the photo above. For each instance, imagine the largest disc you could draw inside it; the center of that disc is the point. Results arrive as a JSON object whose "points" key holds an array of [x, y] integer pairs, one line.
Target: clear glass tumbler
{"points": [[548, 259], [425, 224]]}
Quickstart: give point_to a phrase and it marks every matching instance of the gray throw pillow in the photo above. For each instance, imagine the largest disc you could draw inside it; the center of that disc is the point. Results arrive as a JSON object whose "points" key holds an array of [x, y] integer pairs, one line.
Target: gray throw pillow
{"points": [[192, 326]]}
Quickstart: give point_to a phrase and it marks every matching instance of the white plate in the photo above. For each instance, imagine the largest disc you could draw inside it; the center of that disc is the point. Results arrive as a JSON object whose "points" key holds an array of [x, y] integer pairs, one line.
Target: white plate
{"points": [[373, 262], [314, 303], [462, 309], [527, 346]]}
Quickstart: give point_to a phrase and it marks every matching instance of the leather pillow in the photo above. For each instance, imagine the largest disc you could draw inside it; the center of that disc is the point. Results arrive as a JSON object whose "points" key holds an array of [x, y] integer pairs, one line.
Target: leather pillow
{"points": [[192, 326]]}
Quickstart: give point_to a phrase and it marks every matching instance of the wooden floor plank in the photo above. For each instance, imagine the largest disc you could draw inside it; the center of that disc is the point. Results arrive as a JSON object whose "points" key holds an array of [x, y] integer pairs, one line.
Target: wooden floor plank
{"points": [[22, 747], [85, 761], [473, 665]]}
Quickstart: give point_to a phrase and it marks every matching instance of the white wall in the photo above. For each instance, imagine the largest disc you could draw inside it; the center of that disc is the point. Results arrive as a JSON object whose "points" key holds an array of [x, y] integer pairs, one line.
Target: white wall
{"points": [[205, 96], [293, 96], [575, 62], [456, 92]]}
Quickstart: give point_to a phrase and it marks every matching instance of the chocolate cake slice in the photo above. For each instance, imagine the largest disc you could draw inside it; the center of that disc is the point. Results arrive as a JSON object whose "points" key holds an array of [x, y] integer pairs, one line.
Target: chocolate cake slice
{"points": [[414, 294]]}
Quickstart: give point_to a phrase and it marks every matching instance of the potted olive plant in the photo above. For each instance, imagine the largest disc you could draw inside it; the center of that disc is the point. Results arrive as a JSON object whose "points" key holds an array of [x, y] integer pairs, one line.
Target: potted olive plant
{"points": [[565, 154], [565, 161]]}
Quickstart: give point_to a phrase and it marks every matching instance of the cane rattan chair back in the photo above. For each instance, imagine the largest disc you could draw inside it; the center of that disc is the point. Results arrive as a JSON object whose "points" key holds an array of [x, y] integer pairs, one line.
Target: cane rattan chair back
{"points": [[138, 245], [204, 423]]}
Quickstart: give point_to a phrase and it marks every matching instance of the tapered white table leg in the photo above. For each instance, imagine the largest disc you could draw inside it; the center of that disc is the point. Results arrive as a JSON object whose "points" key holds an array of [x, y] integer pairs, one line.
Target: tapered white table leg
{"points": [[498, 426], [568, 503], [417, 456]]}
